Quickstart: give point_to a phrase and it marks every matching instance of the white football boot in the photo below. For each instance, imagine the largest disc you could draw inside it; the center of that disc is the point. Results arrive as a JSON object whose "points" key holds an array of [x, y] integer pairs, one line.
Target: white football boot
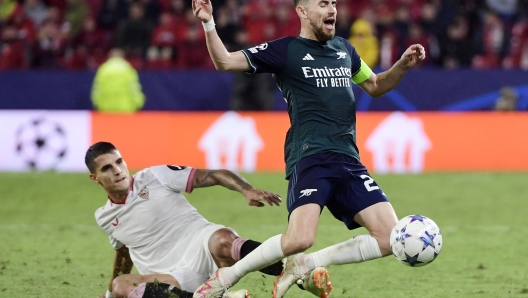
{"points": [[316, 281], [216, 287], [237, 294]]}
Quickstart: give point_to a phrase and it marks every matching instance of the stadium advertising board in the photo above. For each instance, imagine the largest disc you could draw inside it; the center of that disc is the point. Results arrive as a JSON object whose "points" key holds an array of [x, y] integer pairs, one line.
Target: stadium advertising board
{"points": [[389, 142]]}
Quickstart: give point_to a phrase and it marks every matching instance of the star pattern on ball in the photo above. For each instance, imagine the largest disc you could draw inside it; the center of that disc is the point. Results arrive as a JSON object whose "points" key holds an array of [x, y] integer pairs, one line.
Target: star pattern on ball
{"points": [[417, 217], [401, 237], [428, 239], [412, 260]]}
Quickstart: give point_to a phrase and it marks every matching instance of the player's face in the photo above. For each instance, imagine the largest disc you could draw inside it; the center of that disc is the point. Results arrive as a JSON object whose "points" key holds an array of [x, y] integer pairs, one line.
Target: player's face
{"points": [[322, 16], [111, 172]]}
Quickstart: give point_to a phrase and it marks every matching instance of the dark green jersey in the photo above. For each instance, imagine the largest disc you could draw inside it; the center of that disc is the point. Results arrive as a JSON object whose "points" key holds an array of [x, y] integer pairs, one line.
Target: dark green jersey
{"points": [[315, 80]]}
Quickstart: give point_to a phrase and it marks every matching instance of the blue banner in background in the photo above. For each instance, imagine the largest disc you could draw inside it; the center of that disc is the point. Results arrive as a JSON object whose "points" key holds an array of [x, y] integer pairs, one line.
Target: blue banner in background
{"points": [[420, 90]]}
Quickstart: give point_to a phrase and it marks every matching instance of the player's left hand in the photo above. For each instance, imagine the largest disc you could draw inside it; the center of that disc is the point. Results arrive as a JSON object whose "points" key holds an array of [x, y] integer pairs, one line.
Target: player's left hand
{"points": [[203, 10], [413, 55], [254, 197]]}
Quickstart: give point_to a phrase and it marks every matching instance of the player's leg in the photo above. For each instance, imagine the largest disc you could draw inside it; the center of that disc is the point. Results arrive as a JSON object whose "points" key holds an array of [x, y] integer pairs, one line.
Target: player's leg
{"points": [[364, 204], [300, 235], [357, 201], [227, 248], [197, 263], [147, 286], [318, 182], [266, 254], [379, 219], [302, 227], [269, 252], [305, 198]]}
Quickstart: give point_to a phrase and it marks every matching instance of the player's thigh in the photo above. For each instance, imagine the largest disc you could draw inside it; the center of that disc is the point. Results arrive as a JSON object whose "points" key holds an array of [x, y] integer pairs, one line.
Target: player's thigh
{"points": [[378, 219], [197, 257], [310, 186], [313, 181], [357, 192], [124, 284], [302, 228]]}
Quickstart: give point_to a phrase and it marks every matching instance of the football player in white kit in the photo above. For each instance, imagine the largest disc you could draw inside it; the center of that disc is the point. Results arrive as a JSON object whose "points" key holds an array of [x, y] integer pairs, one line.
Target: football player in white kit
{"points": [[153, 226]]}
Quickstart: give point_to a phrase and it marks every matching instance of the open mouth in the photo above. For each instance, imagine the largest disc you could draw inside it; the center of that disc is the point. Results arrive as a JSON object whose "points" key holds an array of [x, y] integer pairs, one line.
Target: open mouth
{"points": [[329, 23], [119, 180]]}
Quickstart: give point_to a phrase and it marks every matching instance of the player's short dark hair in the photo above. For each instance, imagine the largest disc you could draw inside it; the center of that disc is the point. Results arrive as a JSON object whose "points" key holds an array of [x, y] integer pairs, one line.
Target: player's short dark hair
{"points": [[299, 2], [94, 151]]}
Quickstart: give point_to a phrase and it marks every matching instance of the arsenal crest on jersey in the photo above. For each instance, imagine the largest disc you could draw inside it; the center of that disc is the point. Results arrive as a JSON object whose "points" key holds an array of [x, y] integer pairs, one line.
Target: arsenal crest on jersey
{"points": [[144, 193]]}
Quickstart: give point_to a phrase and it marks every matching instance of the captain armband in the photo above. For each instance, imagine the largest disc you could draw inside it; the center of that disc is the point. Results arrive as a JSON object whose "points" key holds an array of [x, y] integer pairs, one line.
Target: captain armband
{"points": [[362, 74]]}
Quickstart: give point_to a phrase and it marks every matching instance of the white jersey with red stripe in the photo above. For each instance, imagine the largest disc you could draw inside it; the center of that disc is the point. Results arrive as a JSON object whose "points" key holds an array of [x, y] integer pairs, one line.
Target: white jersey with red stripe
{"points": [[155, 222]]}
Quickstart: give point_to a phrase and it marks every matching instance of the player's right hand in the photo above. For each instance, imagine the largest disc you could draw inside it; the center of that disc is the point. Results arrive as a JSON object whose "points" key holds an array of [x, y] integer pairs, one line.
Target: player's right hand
{"points": [[203, 10], [254, 197]]}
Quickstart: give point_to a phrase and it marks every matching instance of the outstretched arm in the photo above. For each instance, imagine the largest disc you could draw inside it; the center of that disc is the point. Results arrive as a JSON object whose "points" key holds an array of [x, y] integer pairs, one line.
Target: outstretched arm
{"points": [[233, 181], [222, 59], [379, 84]]}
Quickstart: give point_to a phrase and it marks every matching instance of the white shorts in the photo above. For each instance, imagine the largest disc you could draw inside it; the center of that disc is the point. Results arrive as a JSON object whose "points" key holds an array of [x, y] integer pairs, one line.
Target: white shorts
{"points": [[197, 263]]}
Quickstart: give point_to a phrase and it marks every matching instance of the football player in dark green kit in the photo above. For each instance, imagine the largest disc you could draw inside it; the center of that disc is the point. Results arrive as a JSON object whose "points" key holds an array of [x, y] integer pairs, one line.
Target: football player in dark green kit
{"points": [[314, 71]]}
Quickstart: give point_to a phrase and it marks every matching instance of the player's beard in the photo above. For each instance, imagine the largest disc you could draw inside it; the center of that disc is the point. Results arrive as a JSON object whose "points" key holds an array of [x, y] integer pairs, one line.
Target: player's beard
{"points": [[320, 33]]}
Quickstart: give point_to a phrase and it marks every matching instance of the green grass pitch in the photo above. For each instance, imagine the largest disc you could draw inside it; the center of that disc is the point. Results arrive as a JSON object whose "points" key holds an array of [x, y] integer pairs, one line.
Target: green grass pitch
{"points": [[50, 245]]}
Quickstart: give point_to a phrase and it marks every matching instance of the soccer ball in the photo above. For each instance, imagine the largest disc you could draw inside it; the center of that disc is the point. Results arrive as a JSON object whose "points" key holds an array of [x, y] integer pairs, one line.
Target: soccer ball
{"points": [[41, 143], [416, 240]]}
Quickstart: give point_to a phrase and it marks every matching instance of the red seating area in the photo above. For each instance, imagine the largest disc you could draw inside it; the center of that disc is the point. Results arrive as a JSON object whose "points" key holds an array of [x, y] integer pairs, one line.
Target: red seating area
{"points": [[164, 34]]}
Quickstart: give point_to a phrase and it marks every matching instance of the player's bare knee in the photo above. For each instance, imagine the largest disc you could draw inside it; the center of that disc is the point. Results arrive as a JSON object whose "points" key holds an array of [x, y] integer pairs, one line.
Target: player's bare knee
{"points": [[304, 244], [120, 287], [297, 244], [116, 284], [220, 243]]}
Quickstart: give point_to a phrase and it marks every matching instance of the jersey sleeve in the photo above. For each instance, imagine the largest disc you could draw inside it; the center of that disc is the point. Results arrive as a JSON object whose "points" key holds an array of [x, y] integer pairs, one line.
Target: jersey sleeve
{"points": [[269, 57], [102, 217], [115, 243], [360, 70], [176, 178]]}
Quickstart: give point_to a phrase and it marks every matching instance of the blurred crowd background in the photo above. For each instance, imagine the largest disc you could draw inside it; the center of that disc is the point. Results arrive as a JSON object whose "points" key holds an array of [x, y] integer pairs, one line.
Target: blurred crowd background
{"points": [[164, 34]]}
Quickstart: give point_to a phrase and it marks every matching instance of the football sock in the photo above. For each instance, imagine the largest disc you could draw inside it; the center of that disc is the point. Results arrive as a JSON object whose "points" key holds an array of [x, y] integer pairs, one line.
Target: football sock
{"points": [[249, 246], [358, 249], [236, 248], [265, 254], [158, 290]]}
